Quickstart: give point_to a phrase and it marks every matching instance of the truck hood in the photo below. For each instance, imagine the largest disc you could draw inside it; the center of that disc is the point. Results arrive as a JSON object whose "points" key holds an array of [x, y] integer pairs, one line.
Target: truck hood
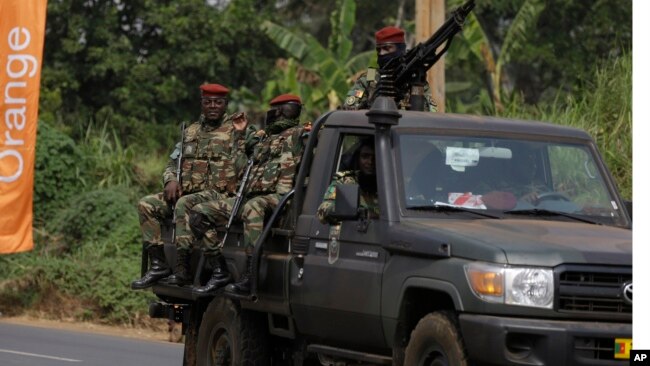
{"points": [[527, 242]]}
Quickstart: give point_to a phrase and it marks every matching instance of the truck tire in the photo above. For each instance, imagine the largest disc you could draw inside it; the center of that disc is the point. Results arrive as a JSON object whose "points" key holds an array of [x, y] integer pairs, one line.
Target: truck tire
{"points": [[229, 336], [435, 341]]}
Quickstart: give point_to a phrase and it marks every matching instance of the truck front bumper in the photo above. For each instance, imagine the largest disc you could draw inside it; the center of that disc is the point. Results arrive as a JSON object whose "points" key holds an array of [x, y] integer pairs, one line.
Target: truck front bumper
{"points": [[519, 341]]}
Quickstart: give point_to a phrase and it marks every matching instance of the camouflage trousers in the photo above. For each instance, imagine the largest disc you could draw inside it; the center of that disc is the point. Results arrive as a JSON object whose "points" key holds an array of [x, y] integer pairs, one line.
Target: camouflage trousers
{"points": [[153, 210], [252, 214]]}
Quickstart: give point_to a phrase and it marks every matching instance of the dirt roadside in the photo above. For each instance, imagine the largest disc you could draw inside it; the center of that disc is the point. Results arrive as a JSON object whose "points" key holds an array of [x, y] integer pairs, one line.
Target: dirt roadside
{"points": [[162, 334]]}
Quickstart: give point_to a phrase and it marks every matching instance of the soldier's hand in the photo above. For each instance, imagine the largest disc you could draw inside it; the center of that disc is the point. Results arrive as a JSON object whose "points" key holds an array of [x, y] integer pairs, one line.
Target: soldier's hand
{"points": [[531, 198], [239, 121], [172, 192]]}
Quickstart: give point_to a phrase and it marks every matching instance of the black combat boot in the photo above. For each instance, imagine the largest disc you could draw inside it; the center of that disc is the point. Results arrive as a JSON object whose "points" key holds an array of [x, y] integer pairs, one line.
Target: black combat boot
{"points": [[243, 286], [157, 269], [220, 275], [181, 274]]}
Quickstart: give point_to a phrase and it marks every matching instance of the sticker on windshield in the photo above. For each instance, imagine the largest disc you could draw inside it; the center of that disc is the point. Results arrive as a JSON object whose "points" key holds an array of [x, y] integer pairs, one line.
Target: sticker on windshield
{"points": [[460, 157], [467, 200]]}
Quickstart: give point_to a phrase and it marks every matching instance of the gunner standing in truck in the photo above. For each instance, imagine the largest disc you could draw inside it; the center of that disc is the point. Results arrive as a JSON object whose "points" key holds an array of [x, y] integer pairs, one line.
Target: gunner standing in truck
{"points": [[389, 43]]}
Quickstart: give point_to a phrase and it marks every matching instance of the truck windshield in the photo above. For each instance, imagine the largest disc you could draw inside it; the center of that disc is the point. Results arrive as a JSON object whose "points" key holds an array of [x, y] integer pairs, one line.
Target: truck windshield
{"points": [[511, 177]]}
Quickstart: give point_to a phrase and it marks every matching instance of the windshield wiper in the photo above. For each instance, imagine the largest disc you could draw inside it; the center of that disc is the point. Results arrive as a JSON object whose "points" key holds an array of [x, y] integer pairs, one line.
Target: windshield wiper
{"points": [[544, 212], [449, 208]]}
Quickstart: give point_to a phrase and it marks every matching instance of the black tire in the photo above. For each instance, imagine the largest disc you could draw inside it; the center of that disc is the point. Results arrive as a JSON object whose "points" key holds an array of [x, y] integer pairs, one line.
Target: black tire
{"points": [[436, 341], [229, 336]]}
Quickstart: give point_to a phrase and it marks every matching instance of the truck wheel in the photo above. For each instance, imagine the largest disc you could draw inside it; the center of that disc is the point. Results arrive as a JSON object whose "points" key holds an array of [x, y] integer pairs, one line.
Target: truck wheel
{"points": [[435, 341], [229, 336]]}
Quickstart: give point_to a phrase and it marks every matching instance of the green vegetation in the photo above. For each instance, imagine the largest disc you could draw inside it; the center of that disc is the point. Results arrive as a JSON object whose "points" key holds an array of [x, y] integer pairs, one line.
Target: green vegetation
{"points": [[119, 77], [602, 107]]}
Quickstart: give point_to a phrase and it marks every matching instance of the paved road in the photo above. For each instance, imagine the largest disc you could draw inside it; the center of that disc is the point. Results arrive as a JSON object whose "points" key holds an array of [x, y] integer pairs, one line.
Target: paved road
{"points": [[22, 345]]}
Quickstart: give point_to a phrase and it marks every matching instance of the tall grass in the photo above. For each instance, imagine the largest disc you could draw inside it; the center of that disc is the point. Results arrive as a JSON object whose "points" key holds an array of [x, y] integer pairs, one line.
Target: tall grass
{"points": [[603, 108], [111, 162]]}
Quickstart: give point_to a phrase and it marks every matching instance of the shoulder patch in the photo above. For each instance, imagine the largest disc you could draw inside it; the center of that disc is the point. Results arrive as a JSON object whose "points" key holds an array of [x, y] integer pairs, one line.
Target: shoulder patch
{"points": [[177, 151], [351, 99]]}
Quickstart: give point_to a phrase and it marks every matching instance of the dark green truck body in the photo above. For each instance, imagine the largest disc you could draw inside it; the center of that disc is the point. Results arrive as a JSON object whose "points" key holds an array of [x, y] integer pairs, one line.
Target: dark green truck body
{"points": [[360, 303]]}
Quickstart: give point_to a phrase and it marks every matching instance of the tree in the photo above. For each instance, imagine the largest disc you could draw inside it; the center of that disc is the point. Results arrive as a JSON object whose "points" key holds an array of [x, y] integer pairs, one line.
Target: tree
{"points": [[140, 63], [534, 48], [333, 65]]}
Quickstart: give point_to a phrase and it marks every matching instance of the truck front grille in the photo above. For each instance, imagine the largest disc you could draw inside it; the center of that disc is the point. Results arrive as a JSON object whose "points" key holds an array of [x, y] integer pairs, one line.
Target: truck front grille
{"points": [[594, 290]]}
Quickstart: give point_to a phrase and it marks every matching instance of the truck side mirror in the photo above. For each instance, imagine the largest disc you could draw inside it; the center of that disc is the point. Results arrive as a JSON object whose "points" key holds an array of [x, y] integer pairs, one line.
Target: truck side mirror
{"points": [[346, 203]]}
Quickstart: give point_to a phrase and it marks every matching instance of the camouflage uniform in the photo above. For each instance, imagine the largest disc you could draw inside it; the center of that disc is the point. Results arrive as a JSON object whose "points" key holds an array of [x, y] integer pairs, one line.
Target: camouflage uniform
{"points": [[275, 158], [207, 163], [358, 96], [367, 200]]}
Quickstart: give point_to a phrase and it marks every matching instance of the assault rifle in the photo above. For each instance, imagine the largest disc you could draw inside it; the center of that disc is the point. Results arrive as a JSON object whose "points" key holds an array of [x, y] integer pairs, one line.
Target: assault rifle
{"points": [[178, 179], [408, 73], [238, 200]]}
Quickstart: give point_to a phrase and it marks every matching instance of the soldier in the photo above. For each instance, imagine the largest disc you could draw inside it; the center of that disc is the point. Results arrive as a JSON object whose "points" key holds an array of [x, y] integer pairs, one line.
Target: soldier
{"points": [[207, 162], [389, 45], [364, 175], [275, 160]]}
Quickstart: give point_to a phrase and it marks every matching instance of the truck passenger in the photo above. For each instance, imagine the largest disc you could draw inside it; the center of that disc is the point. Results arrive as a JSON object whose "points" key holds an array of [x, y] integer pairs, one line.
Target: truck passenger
{"points": [[363, 174], [206, 162], [275, 160]]}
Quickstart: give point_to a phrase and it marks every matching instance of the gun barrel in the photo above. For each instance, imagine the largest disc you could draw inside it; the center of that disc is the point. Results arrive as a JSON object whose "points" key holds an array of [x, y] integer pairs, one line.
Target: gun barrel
{"points": [[418, 60], [180, 155], [239, 197], [179, 166]]}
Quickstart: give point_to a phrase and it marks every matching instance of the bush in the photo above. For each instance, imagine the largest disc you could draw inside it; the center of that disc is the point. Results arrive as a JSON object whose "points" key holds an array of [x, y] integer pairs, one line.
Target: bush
{"points": [[604, 109], [93, 216], [90, 284], [57, 171]]}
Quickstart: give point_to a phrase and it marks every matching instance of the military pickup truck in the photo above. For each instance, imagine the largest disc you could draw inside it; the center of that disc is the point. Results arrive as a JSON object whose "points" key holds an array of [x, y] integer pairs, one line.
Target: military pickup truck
{"points": [[499, 242]]}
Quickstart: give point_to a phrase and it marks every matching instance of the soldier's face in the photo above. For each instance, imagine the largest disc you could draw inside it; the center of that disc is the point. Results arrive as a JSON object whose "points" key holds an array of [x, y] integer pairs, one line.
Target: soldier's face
{"points": [[367, 160], [213, 108], [386, 48]]}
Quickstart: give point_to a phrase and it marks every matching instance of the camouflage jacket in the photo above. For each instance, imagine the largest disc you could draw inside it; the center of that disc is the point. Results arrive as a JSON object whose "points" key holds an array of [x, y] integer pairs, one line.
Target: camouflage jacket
{"points": [[367, 200], [209, 154], [275, 158], [361, 92]]}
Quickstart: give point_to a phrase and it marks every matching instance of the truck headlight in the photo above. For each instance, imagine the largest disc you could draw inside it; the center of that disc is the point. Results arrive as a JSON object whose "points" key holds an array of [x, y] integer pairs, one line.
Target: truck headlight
{"points": [[523, 286]]}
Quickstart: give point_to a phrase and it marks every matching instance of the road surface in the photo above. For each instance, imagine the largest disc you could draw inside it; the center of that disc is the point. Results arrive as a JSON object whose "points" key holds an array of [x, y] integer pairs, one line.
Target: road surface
{"points": [[22, 345]]}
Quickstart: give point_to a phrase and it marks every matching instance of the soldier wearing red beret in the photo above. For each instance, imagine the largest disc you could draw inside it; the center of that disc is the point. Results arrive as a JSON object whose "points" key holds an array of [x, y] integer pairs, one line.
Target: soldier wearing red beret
{"points": [[275, 159], [389, 44], [208, 172]]}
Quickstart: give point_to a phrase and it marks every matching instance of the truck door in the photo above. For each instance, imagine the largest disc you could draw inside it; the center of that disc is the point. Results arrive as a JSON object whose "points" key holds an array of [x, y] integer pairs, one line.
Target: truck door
{"points": [[336, 296]]}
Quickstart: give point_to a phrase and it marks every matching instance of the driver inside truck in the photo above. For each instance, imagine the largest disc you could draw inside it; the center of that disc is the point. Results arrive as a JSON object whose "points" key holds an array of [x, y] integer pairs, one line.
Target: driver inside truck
{"points": [[524, 171], [364, 174], [520, 178]]}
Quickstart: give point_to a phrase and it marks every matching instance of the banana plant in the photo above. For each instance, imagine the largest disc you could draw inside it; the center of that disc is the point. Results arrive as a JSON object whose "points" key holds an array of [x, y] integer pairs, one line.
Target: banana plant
{"points": [[494, 57], [333, 63]]}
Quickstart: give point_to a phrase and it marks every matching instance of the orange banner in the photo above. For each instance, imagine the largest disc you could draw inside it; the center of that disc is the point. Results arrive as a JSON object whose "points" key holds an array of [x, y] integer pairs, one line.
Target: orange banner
{"points": [[22, 31]]}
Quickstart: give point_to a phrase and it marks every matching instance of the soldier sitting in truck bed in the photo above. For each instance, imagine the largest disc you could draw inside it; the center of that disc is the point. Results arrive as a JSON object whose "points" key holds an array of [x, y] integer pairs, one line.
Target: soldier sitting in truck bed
{"points": [[275, 160], [205, 173]]}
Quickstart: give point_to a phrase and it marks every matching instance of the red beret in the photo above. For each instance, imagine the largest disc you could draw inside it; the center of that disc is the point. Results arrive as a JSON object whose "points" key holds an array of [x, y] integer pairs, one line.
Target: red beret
{"points": [[213, 90], [389, 35], [285, 98]]}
